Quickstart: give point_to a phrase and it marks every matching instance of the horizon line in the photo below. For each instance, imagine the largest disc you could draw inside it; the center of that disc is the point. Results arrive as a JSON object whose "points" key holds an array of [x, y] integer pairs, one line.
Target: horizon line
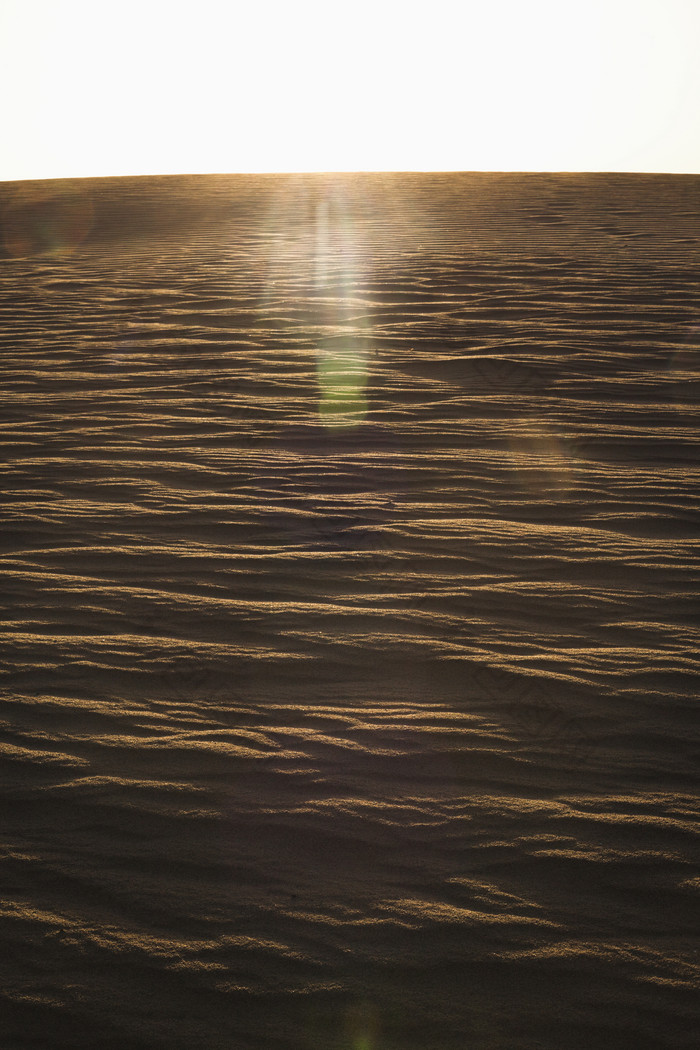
{"points": [[347, 171]]}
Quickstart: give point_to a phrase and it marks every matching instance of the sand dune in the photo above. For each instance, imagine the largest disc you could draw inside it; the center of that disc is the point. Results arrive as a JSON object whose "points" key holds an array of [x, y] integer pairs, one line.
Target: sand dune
{"points": [[350, 649]]}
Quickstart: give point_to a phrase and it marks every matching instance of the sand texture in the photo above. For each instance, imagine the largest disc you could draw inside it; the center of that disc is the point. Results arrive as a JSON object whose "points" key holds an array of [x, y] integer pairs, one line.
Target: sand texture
{"points": [[349, 660]]}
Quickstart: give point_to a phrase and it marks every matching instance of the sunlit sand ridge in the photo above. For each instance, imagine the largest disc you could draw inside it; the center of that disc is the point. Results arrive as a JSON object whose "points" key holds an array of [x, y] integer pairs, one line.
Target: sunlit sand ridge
{"points": [[349, 662]]}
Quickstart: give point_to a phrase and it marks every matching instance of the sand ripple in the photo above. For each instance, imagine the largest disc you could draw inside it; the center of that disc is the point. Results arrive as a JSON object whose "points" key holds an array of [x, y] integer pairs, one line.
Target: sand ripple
{"points": [[350, 650]]}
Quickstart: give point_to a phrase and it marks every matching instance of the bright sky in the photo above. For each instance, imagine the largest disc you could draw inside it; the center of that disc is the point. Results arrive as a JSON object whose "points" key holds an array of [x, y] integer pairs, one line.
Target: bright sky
{"points": [[129, 88]]}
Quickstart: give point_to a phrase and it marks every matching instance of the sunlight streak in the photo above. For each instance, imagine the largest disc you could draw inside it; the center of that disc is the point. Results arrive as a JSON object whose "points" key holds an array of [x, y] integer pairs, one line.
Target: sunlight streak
{"points": [[342, 361]]}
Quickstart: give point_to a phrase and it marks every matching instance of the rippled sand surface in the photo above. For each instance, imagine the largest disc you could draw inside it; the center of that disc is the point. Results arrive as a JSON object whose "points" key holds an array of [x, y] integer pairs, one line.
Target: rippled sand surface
{"points": [[350, 647]]}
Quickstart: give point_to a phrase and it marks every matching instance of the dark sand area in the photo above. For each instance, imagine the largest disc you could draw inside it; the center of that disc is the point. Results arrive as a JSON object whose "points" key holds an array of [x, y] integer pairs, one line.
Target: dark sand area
{"points": [[349, 655]]}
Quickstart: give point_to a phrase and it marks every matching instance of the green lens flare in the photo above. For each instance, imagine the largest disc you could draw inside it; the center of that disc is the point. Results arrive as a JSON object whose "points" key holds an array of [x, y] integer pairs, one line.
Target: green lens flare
{"points": [[342, 377]]}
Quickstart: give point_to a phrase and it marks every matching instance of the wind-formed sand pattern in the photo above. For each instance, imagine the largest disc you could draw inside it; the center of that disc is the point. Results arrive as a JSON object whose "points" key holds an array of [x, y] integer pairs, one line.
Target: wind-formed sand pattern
{"points": [[350, 649]]}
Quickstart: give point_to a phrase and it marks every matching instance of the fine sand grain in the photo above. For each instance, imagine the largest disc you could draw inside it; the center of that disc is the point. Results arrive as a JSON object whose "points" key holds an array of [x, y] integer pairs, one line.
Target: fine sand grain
{"points": [[350, 647]]}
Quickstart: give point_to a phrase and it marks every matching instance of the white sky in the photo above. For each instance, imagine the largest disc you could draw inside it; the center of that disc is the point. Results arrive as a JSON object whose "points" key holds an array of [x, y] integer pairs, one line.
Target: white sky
{"points": [[129, 88]]}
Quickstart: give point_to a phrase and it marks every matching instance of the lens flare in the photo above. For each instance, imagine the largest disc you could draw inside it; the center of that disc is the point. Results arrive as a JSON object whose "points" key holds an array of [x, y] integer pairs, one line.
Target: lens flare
{"points": [[342, 362], [342, 377], [541, 459], [362, 1026], [41, 220], [325, 248]]}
